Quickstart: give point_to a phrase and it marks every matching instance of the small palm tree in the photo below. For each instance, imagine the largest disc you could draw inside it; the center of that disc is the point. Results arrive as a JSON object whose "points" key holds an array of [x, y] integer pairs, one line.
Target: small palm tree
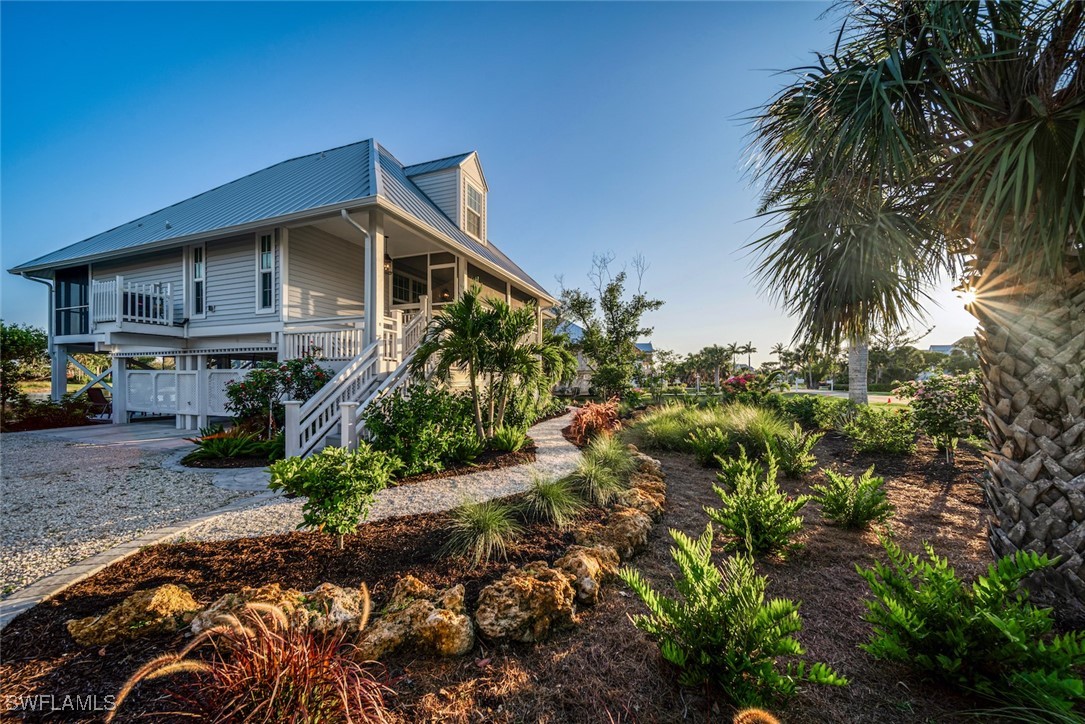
{"points": [[458, 338]]}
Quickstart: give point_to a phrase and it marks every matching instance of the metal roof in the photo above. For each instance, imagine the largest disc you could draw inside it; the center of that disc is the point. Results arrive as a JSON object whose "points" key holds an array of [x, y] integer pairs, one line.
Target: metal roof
{"points": [[575, 333], [438, 165], [326, 178]]}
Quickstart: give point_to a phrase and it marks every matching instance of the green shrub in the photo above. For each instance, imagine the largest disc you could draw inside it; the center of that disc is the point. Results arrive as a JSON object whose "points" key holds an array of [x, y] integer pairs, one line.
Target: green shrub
{"points": [[257, 399], [736, 467], [756, 512], [853, 502], [881, 431], [947, 408], [465, 450], [800, 408], [424, 426], [792, 451], [986, 636], [219, 444], [752, 426], [611, 453], [482, 532], [721, 631], [339, 485], [24, 414], [552, 501], [830, 413], [508, 439], [709, 444]]}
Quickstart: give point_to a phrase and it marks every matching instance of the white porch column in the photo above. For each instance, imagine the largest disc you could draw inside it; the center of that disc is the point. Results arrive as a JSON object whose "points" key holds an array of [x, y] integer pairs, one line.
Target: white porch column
{"points": [[348, 414], [374, 278], [120, 391], [58, 371], [292, 427]]}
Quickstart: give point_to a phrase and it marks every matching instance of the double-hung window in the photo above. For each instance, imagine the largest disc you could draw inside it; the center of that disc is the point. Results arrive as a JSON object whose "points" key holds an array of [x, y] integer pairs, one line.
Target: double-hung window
{"points": [[473, 213], [198, 272], [265, 275]]}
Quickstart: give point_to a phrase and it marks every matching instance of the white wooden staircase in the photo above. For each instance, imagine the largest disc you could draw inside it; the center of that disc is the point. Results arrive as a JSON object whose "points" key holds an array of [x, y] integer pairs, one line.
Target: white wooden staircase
{"points": [[333, 416]]}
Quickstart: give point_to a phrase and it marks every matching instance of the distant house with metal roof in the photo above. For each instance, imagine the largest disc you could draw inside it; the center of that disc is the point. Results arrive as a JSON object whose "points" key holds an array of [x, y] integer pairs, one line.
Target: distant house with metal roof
{"points": [[346, 252], [581, 385]]}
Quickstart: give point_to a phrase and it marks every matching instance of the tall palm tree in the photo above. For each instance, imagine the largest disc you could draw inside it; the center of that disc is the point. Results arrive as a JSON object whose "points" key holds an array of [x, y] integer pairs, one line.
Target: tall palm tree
{"points": [[458, 337], [949, 137], [748, 349], [732, 350]]}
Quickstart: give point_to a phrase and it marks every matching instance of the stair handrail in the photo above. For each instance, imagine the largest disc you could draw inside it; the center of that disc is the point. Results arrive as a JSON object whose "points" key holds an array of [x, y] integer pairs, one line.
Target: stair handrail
{"points": [[309, 422]]}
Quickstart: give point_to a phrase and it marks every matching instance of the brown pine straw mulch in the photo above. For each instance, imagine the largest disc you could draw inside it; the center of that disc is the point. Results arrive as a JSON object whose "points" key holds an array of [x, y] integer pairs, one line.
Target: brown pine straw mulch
{"points": [[602, 671]]}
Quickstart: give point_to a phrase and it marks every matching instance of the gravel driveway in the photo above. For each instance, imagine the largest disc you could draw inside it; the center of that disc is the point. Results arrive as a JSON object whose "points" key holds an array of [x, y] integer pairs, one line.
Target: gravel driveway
{"points": [[555, 457], [63, 501]]}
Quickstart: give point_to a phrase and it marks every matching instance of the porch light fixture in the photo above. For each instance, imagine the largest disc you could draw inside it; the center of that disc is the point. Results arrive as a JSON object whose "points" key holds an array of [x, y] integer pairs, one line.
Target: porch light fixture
{"points": [[387, 264]]}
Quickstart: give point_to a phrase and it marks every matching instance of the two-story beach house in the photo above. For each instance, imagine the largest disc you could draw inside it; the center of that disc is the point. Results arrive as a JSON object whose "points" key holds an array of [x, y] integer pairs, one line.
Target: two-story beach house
{"points": [[346, 252]]}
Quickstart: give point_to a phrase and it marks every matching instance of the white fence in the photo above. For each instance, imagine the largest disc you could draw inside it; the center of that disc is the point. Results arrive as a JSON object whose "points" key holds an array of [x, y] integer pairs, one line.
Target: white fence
{"points": [[161, 392]]}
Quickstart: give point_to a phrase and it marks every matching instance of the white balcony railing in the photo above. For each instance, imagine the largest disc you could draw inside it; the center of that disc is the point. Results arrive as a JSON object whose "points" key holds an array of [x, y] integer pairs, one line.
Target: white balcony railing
{"points": [[115, 300]]}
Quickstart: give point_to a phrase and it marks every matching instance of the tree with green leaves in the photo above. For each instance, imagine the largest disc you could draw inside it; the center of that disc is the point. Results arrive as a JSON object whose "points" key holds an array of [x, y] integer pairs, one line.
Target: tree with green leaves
{"points": [[612, 320], [24, 355], [941, 138]]}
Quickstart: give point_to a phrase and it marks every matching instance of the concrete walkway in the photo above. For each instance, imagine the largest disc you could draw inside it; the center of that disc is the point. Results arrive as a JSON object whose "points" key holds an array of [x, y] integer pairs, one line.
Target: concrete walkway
{"points": [[268, 513]]}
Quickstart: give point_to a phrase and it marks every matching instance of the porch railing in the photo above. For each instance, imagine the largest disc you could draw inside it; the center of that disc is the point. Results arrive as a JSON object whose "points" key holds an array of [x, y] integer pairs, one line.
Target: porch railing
{"points": [[117, 300]]}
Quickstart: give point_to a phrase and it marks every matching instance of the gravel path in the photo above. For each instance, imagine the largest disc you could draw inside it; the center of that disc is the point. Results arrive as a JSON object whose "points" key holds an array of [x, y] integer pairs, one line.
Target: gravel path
{"points": [[555, 457], [62, 502]]}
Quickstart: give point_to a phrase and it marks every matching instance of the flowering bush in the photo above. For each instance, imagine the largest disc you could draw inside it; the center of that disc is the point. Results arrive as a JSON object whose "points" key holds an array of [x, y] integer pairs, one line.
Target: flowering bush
{"points": [[257, 399], [946, 408]]}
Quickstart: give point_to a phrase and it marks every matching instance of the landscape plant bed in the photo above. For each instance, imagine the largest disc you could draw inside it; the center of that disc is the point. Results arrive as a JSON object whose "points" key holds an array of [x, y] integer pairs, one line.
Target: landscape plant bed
{"points": [[488, 460], [242, 462], [604, 670]]}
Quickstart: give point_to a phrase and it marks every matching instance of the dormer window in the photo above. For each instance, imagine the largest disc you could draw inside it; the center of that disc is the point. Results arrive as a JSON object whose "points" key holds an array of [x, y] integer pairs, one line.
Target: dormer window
{"points": [[473, 214]]}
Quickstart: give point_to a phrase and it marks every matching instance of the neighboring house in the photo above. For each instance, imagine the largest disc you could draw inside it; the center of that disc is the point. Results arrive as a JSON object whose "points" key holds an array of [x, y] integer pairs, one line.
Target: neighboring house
{"points": [[346, 252], [946, 349], [581, 384]]}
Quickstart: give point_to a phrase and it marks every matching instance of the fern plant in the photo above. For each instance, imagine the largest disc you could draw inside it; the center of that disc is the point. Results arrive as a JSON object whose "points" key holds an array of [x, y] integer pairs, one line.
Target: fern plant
{"points": [[709, 444], [736, 467], [986, 636], [552, 501], [793, 451], [757, 513], [721, 631], [852, 502]]}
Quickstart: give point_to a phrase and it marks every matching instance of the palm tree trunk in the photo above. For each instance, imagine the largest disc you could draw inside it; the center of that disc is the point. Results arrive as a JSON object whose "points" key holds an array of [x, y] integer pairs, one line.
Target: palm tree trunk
{"points": [[858, 357], [476, 403], [1032, 353]]}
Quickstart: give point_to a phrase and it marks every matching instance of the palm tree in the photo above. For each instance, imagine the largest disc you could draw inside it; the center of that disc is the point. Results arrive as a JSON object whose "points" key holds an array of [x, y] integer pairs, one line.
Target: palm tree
{"points": [[458, 338], [732, 350], [748, 349], [949, 137], [714, 358]]}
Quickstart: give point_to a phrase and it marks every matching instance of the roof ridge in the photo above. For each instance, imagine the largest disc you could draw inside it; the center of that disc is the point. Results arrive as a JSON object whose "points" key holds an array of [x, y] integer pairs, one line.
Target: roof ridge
{"points": [[465, 154]]}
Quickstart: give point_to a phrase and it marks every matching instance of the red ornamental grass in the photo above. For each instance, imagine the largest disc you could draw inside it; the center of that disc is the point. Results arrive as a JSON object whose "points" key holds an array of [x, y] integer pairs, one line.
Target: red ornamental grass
{"points": [[593, 419], [261, 668]]}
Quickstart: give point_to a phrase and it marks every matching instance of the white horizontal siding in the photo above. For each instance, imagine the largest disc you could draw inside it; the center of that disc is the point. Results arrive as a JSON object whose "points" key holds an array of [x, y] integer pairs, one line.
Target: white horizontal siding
{"points": [[442, 187], [325, 276], [164, 267], [231, 284]]}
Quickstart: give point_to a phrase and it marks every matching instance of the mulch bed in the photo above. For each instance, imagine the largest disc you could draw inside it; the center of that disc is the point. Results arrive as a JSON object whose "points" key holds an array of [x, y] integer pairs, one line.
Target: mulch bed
{"points": [[256, 461], [602, 671]]}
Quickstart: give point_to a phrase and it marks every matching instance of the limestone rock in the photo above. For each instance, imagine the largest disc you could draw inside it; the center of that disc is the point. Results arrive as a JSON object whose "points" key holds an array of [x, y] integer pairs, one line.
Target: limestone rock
{"points": [[326, 608], [646, 464], [156, 610], [641, 499], [589, 567], [421, 617], [527, 604], [626, 531], [233, 604]]}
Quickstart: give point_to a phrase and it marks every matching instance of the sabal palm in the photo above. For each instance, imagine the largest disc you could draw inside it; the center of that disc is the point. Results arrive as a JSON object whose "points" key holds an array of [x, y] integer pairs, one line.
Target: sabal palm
{"points": [[458, 338], [948, 137]]}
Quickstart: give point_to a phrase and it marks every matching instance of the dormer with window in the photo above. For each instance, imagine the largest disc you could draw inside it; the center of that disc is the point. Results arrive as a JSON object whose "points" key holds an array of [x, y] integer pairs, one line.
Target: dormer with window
{"points": [[457, 186]]}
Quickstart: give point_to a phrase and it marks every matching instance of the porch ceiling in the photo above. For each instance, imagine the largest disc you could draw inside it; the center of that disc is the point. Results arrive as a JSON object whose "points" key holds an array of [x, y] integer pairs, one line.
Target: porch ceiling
{"points": [[402, 241]]}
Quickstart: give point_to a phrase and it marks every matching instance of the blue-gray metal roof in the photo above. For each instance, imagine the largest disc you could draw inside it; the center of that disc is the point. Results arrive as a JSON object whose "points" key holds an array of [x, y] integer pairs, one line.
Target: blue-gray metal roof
{"points": [[327, 178], [303, 183], [439, 164]]}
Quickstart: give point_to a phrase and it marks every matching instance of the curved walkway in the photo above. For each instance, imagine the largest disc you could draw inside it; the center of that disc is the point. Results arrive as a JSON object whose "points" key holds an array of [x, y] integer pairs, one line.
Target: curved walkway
{"points": [[556, 456], [268, 513]]}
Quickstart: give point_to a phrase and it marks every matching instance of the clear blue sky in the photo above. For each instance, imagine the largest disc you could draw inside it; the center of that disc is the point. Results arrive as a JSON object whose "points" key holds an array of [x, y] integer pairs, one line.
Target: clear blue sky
{"points": [[601, 127]]}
